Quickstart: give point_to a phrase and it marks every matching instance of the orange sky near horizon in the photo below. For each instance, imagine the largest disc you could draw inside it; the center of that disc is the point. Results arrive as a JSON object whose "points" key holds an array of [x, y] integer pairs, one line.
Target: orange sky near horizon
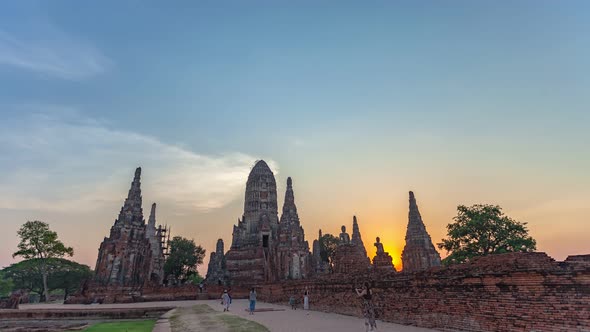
{"points": [[382, 213]]}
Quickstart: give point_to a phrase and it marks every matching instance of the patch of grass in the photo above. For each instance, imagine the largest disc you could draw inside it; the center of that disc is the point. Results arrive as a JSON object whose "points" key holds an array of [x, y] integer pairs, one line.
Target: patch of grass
{"points": [[123, 326], [238, 324]]}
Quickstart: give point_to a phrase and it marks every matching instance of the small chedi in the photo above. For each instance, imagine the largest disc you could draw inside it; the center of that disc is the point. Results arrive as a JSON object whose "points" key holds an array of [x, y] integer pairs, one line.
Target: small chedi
{"points": [[155, 235], [419, 253], [216, 271], [320, 266], [351, 255], [265, 248], [382, 261], [294, 260], [132, 255]]}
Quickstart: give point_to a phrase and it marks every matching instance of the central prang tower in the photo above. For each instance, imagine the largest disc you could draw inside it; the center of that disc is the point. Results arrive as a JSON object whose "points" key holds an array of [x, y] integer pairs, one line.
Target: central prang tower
{"points": [[260, 205], [264, 249], [254, 239]]}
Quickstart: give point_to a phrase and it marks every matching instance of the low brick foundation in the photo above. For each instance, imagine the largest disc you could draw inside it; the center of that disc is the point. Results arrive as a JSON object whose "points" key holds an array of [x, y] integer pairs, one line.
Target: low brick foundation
{"points": [[509, 292], [108, 295], [90, 313]]}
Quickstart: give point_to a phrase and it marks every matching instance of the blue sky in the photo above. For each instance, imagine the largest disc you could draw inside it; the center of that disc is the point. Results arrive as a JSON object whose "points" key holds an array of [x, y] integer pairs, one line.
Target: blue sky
{"points": [[467, 101]]}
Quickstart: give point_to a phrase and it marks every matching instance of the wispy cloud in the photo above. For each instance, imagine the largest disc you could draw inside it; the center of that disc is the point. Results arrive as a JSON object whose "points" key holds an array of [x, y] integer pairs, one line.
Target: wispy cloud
{"points": [[67, 162], [51, 52]]}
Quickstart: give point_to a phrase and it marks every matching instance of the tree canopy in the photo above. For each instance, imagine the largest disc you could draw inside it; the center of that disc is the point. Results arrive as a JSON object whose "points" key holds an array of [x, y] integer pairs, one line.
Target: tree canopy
{"points": [[328, 245], [6, 285], [38, 242], [184, 258], [482, 230], [62, 274]]}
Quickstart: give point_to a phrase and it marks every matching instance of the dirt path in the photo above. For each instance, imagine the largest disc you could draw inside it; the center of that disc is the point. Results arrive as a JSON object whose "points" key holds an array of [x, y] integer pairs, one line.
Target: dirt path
{"points": [[202, 318], [282, 319], [286, 320]]}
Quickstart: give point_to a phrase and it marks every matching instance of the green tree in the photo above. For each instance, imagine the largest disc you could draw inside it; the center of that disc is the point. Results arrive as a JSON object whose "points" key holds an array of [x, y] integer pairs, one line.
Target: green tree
{"points": [[67, 275], [482, 230], [38, 241], [195, 278], [328, 245], [62, 274], [25, 275], [6, 285], [184, 258]]}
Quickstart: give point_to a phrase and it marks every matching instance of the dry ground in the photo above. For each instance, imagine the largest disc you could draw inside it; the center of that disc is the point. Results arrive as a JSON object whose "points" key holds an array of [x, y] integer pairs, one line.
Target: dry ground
{"points": [[276, 321], [202, 318]]}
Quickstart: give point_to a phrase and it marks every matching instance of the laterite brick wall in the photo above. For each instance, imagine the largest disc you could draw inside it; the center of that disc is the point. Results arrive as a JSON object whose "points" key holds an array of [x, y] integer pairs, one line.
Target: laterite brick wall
{"points": [[509, 292]]}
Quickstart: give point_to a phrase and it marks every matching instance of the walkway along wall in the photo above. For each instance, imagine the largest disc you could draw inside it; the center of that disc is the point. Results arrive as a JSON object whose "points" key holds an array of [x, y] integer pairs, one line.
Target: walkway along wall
{"points": [[509, 292]]}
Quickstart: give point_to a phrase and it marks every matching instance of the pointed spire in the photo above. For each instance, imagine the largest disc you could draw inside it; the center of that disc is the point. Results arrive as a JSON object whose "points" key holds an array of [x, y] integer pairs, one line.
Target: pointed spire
{"points": [[289, 207], [356, 236], [152, 218], [414, 215], [219, 247], [415, 223], [320, 235], [131, 212], [419, 252]]}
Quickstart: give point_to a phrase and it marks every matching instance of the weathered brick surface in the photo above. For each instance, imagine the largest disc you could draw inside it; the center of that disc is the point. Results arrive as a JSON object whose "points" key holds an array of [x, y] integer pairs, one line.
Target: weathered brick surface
{"points": [[94, 313], [264, 249], [510, 292], [116, 294], [132, 255]]}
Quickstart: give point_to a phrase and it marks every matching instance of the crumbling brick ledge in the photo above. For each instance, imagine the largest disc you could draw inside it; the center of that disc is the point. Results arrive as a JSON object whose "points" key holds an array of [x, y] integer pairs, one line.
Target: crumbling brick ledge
{"points": [[508, 292]]}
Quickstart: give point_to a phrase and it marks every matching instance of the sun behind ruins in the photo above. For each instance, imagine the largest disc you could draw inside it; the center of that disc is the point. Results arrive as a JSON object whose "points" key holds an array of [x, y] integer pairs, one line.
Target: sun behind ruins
{"points": [[265, 248]]}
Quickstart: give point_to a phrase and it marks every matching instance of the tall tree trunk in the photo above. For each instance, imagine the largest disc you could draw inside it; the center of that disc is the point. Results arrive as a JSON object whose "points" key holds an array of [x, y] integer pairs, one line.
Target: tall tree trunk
{"points": [[45, 291], [44, 273]]}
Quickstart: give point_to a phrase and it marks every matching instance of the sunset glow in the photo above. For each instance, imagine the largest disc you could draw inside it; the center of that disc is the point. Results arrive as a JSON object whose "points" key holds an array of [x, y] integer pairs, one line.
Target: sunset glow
{"points": [[358, 103]]}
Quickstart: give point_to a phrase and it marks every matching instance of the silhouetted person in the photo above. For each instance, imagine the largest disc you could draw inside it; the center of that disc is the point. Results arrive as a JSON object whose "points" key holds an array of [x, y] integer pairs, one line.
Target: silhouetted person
{"points": [[368, 308]]}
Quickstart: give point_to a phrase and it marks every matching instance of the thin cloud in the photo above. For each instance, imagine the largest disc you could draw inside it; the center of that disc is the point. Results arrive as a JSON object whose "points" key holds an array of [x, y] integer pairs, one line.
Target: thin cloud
{"points": [[51, 52], [71, 163]]}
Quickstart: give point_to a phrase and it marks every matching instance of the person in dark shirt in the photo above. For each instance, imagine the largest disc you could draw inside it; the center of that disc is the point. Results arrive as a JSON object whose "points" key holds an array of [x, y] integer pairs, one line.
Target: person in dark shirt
{"points": [[368, 309]]}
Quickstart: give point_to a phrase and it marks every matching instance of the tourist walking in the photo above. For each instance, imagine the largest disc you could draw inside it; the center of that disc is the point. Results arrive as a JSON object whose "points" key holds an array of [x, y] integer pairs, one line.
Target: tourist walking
{"points": [[292, 302], [252, 300], [225, 300], [368, 308], [306, 299]]}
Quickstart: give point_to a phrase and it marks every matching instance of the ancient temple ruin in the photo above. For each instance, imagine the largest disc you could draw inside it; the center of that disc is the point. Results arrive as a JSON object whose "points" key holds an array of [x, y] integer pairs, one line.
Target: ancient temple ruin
{"points": [[419, 253], [351, 255], [356, 237], [382, 262], [264, 248], [216, 270], [155, 236], [319, 265], [132, 255], [292, 250]]}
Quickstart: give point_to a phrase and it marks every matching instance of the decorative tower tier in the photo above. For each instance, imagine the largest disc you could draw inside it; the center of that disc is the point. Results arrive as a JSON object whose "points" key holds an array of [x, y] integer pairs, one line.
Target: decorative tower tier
{"points": [[125, 257], [419, 253], [251, 258], [293, 251]]}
